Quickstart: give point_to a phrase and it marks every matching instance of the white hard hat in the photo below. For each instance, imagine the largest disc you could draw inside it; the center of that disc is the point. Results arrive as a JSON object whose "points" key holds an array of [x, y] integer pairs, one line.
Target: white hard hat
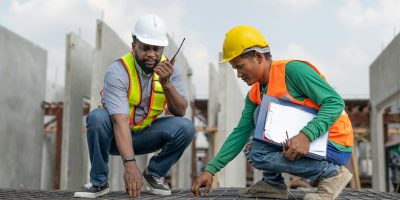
{"points": [[150, 29]]}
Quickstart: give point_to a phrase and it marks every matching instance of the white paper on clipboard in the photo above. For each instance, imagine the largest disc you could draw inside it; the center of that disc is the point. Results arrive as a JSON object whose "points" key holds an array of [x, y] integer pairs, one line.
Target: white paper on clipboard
{"points": [[281, 118]]}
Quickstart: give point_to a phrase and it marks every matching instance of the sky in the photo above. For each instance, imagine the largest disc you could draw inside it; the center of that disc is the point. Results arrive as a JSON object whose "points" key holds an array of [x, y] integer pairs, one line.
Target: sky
{"points": [[342, 38]]}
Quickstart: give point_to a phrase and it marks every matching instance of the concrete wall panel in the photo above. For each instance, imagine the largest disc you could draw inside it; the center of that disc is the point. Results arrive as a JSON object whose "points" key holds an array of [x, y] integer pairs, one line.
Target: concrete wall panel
{"points": [[181, 172], [384, 90], [109, 47], [231, 102], [384, 73], [212, 104], [79, 64], [212, 108], [23, 83]]}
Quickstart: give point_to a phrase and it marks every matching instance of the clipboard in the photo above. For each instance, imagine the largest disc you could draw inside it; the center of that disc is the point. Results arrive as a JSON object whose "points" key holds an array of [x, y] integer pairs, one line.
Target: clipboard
{"points": [[277, 116]]}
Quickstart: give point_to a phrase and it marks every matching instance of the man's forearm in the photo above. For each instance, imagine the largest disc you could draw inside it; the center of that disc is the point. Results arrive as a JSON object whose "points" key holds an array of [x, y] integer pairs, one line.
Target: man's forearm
{"points": [[176, 103], [123, 136]]}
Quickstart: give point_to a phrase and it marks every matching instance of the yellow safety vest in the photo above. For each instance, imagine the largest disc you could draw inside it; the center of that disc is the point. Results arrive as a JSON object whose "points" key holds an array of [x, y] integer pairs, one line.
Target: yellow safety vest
{"points": [[157, 102]]}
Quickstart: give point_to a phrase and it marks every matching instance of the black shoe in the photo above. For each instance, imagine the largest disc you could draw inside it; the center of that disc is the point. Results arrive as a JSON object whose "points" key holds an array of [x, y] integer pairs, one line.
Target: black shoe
{"points": [[156, 184], [91, 191]]}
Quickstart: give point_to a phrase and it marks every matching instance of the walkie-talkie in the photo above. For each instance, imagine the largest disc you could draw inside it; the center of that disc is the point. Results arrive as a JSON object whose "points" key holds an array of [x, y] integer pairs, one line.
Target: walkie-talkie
{"points": [[173, 58]]}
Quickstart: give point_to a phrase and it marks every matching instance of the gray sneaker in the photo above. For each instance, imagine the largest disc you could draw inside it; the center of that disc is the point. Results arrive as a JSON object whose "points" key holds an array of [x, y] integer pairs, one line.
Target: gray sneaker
{"points": [[156, 184], [263, 189], [330, 188], [91, 191]]}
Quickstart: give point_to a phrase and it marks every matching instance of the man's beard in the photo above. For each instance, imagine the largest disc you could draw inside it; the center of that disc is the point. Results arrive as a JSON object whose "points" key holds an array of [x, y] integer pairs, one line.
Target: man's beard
{"points": [[146, 68]]}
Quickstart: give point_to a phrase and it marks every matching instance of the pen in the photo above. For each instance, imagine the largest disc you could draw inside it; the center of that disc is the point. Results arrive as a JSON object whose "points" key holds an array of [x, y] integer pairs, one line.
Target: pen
{"points": [[287, 139]]}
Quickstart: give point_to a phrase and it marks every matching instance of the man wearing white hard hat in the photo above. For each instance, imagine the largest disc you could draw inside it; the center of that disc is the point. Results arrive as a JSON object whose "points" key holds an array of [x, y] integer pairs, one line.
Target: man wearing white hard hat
{"points": [[138, 87]]}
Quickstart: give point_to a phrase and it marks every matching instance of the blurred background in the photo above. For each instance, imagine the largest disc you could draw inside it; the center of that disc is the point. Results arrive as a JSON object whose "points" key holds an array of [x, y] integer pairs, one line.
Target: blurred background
{"points": [[54, 53]]}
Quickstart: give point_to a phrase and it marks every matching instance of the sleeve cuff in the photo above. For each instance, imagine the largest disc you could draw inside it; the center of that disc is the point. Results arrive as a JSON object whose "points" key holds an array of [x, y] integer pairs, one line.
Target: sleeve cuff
{"points": [[308, 133], [211, 169]]}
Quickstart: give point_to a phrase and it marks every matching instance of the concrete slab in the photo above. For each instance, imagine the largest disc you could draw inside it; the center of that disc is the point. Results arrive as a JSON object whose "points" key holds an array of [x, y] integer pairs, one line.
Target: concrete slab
{"points": [[79, 64], [384, 73], [231, 103], [384, 90], [181, 171], [212, 106], [23, 83], [109, 47]]}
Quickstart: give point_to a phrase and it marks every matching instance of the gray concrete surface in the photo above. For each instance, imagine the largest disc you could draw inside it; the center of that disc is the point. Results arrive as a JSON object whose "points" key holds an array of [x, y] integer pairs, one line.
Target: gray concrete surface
{"points": [[109, 47], [212, 106], [181, 171], [23, 83], [384, 90], [231, 103], [48, 157], [78, 69]]}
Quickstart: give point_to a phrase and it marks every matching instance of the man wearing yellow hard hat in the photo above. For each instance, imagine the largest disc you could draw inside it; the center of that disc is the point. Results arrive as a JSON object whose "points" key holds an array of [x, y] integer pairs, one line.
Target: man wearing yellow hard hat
{"points": [[299, 82]]}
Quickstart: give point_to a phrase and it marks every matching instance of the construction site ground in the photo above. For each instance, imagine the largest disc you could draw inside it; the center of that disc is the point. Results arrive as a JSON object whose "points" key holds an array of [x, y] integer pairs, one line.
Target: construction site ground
{"points": [[218, 193]]}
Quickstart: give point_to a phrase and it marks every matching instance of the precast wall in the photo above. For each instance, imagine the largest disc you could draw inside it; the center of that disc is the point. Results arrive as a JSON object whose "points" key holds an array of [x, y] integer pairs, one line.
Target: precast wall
{"points": [[181, 171], [212, 108], [231, 103], [109, 47], [78, 70], [23, 83], [384, 90], [85, 69]]}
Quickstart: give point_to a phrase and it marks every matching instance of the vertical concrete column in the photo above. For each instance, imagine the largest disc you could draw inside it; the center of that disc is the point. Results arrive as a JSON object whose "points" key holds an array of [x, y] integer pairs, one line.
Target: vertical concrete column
{"points": [[109, 47], [378, 150], [23, 81], [79, 64], [181, 172], [212, 108], [232, 102]]}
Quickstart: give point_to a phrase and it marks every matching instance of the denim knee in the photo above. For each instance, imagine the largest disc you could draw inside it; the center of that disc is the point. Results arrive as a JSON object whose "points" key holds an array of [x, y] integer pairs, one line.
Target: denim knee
{"points": [[97, 120], [259, 160], [187, 127]]}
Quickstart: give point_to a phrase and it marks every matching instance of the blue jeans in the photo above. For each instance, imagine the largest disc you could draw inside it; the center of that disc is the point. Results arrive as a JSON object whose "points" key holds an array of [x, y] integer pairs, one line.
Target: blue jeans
{"points": [[270, 159], [170, 134]]}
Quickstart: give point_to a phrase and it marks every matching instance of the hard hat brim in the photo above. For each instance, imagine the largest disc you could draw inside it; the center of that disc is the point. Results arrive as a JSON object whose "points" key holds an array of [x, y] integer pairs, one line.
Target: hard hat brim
{"points": [[224, 61], [161, 43]]}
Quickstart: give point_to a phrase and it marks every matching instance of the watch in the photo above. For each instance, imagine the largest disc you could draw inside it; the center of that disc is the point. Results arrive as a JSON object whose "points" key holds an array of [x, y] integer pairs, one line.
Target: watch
{"points": [[129, 158]]}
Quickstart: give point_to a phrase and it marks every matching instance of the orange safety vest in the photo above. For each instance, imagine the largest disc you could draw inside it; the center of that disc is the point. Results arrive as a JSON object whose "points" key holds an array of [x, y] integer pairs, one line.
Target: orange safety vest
{"points": [[157, 102], [341, 131]]}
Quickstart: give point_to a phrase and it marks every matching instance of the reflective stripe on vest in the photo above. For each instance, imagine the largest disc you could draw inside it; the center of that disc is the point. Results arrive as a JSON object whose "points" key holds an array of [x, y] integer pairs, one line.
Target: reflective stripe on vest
{"points": [[341, 131], [157, 102]]}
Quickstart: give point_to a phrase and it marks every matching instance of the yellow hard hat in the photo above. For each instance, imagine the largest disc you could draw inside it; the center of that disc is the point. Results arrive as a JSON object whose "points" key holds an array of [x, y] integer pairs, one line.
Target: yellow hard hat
{"points": [[240, 38]]}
